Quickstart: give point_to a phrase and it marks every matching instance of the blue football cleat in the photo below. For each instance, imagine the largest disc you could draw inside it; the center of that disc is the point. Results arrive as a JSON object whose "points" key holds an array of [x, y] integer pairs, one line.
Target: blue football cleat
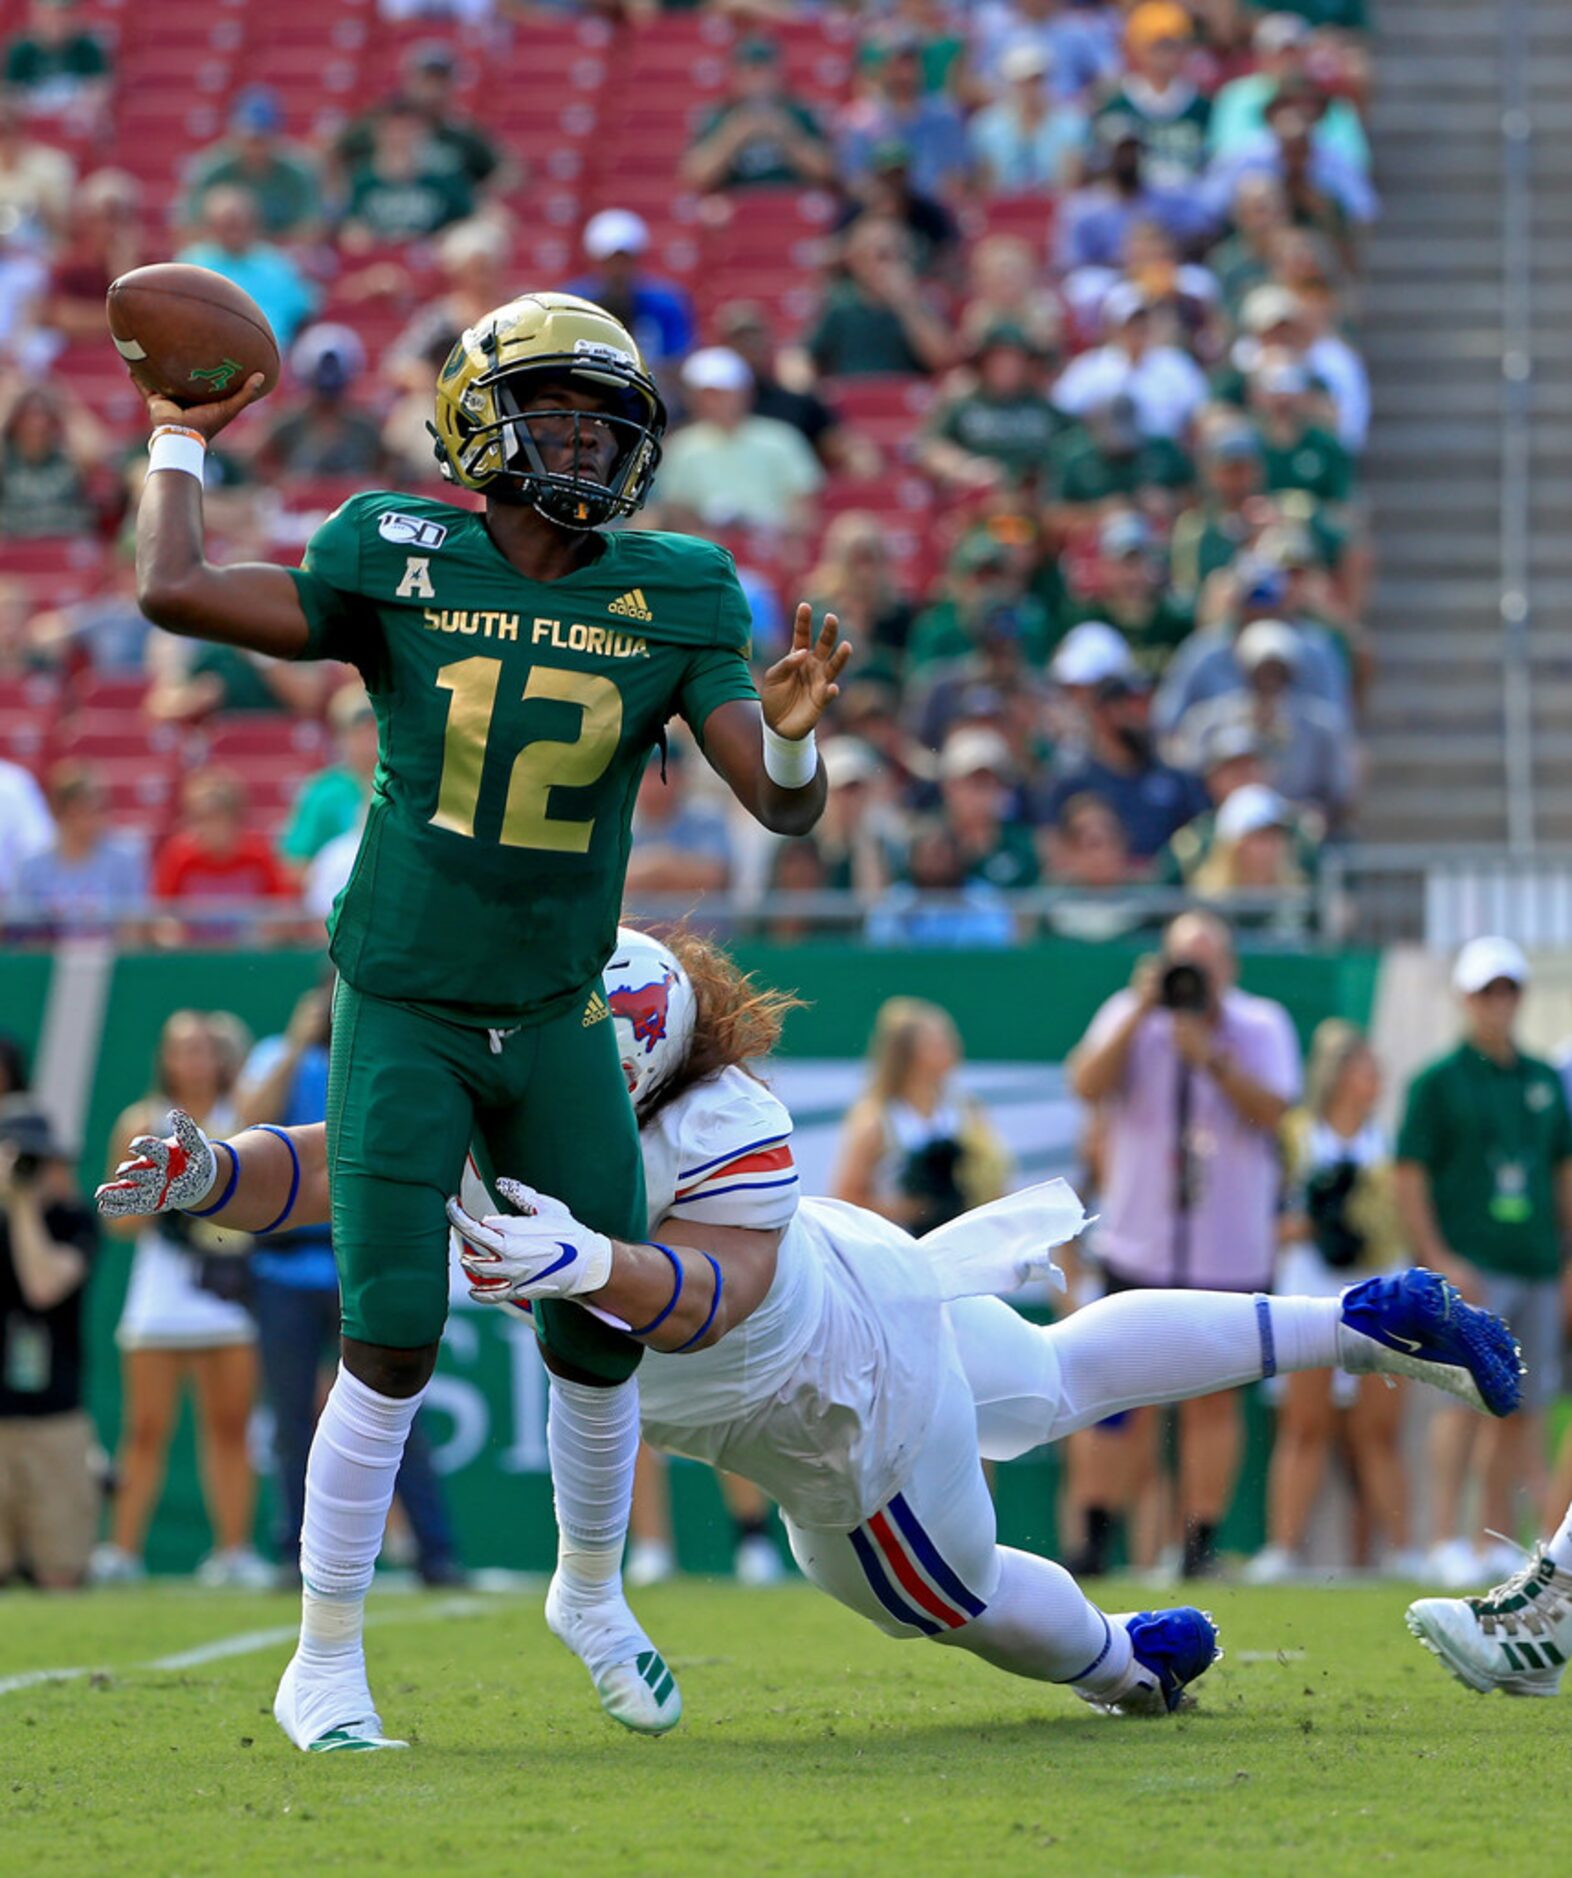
{"points": [[1170, 1650], [1416, 1324]]}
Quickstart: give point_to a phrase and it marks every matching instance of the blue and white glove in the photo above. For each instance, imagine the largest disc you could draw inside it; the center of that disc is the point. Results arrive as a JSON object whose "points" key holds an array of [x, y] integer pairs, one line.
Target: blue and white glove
{"points": [[543, 1253], [175, 1173]]}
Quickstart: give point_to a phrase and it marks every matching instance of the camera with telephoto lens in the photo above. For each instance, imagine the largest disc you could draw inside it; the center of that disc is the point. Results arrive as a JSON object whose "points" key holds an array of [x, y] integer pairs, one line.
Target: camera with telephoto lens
{"points": [[1184, 987], [25, 1129]]}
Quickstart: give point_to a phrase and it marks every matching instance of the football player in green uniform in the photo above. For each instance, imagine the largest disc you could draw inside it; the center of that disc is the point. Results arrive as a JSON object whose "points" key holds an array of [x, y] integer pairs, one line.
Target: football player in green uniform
{"points": [[523, 664]]}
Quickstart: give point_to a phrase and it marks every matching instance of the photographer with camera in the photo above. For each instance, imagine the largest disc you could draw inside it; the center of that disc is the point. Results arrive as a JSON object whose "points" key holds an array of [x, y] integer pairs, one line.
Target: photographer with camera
{"points": [[48, 1495], [1341, 1225], [916, 1148], [294, 1298], [1192, 1077]]}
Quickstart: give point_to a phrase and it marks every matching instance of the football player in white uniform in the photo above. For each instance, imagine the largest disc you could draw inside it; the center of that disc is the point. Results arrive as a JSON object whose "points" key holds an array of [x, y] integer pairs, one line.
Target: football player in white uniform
{"points": [[843, 1366], [1516, 1638]]}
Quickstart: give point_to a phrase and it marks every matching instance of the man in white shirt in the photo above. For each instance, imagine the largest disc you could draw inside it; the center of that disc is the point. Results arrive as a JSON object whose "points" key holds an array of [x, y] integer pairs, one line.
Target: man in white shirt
{"points": [[26, 826], [1165, 385]]}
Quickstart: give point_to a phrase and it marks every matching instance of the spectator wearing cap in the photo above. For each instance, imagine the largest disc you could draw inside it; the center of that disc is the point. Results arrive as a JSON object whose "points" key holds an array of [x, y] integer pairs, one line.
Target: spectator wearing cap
{"points": [[977, 798], [886, 189], [657, 312], [1119, 764], [1323, 190], [403, 190], [1002, 428], [1484, 1185], [256, 157], [1026, 139], [1104, 457], [1157, 93], [1245, 257], [428, 81], [728, 466], [873, 319], [90, 881], [58, 65], [1089, 653], [680, 844], [744, 326], [1231, 511], [761, 136], [1129, 592], [1296, 452], [894, 109], [1095, 222], [983, 579], [1231, 757], [1164, 385], [1282, 44], [1251, 868], [49, 1498], [230, 243], [333, 801], [1079, 46], [1309, 753], [321, 432], [861, 837]]}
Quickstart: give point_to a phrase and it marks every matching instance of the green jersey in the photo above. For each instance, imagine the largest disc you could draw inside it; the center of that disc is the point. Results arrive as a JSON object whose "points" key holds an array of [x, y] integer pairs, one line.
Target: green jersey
{"points": [[515, 717]]}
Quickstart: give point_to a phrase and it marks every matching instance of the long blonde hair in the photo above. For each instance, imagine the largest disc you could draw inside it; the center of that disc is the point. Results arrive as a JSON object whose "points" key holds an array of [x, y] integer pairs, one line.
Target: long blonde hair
{"points": [[893, 1047], [1333, 1047]]}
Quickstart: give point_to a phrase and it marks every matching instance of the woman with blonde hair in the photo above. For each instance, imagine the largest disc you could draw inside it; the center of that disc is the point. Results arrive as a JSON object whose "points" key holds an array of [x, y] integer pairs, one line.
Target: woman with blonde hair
{"points": [[1342, 1225], [916, 1148], [183, 1325], [853, 580]]}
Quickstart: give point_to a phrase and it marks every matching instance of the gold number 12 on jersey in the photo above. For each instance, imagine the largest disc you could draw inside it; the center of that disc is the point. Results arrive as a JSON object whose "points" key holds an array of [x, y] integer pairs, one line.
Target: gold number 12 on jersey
{"points": [[539, 767]]}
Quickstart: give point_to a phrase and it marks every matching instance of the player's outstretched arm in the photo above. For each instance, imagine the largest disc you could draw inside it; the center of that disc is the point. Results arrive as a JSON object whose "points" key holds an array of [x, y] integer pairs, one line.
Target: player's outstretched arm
{"points": [[766, 751], [259, 1182], [681, 1294], [253, 604]]}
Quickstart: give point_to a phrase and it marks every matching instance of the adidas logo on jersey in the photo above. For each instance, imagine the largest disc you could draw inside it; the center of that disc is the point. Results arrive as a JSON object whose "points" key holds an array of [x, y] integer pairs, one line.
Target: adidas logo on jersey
{"points": [[596, 1010], [631, 606]]}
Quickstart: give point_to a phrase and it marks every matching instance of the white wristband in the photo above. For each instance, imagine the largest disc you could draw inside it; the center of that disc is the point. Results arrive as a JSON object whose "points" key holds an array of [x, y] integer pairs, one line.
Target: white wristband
{"points": [[170, 448], [790, 762]]}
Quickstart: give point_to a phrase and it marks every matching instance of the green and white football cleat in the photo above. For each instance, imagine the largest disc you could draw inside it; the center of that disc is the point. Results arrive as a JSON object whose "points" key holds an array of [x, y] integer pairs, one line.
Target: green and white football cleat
{"points": [[329, 1711], [1516, 1638], [630, 1675]]}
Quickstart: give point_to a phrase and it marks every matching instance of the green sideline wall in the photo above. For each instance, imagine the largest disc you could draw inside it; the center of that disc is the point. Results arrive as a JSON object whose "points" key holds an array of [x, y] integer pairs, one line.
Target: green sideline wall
{"points": [[1025, 1005]]}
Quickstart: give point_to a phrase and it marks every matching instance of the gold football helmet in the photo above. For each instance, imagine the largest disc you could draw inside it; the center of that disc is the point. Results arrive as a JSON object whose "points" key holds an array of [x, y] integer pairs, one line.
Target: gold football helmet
{"points": [[498, 376]]}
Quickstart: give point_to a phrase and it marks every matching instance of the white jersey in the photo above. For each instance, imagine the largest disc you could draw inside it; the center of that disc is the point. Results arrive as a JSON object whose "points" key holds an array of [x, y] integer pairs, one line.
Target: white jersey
{"points": [[824, 1394]]}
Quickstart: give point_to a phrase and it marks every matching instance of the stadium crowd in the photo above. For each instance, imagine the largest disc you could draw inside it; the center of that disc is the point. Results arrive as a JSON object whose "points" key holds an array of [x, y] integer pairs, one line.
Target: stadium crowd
{"points": [[1016, 333]]}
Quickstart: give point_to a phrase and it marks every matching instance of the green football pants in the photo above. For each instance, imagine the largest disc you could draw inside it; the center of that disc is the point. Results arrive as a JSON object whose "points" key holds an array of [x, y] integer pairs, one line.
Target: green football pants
{"points": [[407, 1094]]}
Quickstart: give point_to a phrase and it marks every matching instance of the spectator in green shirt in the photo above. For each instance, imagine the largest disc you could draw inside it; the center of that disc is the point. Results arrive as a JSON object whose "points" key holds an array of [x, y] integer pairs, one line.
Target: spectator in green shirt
{"points": [[1105, 458], [873, 320], [761, 136], [59, 66], [333, 802], [1003, 427], [976, 773], [1296, 452], [1282, 42], [982, 579], [400, 193], [1484, 1182], [1245, 257], [256, 157], [1158, 95], [1129, 592], [453, 142]]}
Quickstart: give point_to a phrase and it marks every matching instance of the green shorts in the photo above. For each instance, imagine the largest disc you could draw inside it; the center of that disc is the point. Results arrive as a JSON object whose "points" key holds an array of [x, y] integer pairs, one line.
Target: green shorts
{"points": [[407, 1094]]}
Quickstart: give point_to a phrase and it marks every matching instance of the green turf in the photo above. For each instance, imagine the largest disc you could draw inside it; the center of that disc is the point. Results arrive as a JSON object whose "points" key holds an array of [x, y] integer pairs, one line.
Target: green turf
{"points": [[811, 1745]]}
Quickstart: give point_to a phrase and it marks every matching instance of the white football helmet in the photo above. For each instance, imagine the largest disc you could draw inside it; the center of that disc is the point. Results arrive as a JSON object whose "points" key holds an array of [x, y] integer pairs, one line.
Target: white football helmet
{"points": [[654, 1009]]}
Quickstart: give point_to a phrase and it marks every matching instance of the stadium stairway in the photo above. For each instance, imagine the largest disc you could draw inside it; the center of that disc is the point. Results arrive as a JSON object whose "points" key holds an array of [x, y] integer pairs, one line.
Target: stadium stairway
{"points": [[1433, 334]]}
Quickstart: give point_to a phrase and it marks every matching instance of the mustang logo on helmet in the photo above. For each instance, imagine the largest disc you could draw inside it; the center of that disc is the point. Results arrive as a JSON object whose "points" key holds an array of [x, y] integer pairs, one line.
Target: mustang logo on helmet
{"points": [[646, 1007]]}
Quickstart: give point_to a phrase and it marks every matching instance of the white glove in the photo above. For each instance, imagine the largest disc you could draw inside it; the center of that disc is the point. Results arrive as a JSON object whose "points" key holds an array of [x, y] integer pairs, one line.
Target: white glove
{"points": [[175, 1173], [544, 1253], [1001, 1246]]}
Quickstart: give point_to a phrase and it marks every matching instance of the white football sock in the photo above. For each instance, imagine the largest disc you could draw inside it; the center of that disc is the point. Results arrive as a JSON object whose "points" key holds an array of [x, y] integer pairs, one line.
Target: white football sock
{"points": [[1040, 1624], [355, 1455], [1560, 1547], [592, 1436], [1034, 1385]]}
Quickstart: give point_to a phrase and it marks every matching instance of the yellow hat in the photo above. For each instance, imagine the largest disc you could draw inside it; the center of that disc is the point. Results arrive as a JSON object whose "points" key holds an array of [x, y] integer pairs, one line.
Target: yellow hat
{"points": [[1158, 19]]}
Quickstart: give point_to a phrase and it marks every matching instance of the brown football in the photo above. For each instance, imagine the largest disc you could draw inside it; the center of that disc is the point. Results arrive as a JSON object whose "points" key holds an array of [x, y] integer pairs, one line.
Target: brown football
{"points": [[190, 332]]}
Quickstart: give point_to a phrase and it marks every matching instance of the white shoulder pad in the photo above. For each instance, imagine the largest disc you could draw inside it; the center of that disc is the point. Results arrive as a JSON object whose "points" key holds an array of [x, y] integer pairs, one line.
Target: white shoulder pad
{"points": [[734, 1159]]}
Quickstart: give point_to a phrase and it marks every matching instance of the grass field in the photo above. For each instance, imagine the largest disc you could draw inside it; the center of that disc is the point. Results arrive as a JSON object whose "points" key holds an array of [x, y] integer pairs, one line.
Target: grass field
{"points": [[1326, 1742]]}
